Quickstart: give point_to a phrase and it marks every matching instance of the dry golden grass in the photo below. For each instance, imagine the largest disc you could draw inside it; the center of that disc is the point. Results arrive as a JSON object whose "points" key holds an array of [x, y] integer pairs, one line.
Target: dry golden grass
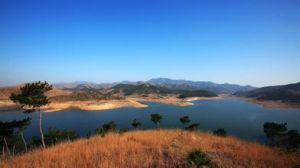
{"points": [[153, 148]]}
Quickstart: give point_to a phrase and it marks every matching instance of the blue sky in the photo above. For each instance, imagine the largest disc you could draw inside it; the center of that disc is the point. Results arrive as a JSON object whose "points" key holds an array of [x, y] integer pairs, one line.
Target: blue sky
{"points": [[254, 42]]}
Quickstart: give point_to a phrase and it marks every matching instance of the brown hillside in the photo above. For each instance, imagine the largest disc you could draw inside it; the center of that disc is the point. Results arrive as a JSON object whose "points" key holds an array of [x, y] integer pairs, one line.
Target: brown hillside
{"points": [[154, 148], [5, 92]]}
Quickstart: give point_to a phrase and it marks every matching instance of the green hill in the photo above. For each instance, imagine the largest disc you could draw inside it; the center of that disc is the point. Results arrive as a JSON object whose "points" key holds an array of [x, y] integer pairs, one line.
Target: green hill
{"points": [[142, 89], [285, 93]]}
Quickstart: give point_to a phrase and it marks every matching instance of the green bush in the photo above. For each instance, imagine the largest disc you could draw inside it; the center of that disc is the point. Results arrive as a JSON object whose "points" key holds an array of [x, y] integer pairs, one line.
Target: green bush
{"points": [[99, 131], [110, 126], [193, 127], [55, 135], [107, 127], [135, 123], [293, 139], [121, 131], [35, 142], [14, 144], [184, 119], [273, 129], [156, 118], [220, 132], [280, 136], [197, 158]]}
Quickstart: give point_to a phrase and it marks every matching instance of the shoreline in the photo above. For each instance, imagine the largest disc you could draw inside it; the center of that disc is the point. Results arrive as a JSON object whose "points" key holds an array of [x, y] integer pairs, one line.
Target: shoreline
{"points": [[93, 105], [190, 99], [270, 103], [273, 103], [135, 102]]}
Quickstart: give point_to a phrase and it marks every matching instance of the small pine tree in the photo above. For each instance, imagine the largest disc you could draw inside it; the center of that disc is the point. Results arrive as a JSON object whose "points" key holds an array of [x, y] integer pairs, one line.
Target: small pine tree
{"points": [[135, 123], [156, 118], [107, 127], [110, 126], [184, 120], [32, 96]]}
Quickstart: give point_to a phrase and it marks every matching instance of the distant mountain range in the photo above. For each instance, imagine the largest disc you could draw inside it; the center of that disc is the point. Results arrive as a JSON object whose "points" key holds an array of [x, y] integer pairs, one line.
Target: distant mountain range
{"points": [[146, 88], [82, 85], [196, 85], [78, 85], [164, 82], [286, 93]]}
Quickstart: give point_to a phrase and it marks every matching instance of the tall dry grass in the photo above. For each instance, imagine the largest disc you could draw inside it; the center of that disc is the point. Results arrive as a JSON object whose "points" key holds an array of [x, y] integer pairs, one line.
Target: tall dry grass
{"points": [[153, 148]]}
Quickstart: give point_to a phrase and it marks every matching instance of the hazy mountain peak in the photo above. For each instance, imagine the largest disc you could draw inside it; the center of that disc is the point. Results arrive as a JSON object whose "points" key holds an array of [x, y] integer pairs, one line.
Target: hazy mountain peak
{"points": [[195, 85], [165, 82]]}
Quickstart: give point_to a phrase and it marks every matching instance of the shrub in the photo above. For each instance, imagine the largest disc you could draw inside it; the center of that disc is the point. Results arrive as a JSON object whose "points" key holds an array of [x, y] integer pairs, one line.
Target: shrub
{"points": [[135, 123], [111, 126], [121, 131], [220, 132], [294, 139], [11, 145], [156, 118], [184, 119], [197, 158], [272, 129], [55, 135], [98, 131], [274, 132], [192, 127], [282, 137], [107, 127], [35, 142]]}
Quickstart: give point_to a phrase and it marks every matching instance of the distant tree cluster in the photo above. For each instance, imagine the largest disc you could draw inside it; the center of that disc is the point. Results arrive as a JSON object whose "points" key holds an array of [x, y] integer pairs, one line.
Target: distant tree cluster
{"points": [[280, 136], [220, 132], [145, 89]]}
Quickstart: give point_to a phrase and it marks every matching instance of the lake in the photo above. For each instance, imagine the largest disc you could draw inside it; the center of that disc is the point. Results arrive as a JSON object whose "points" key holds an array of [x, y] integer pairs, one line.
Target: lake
{"points": [[239, 117]]}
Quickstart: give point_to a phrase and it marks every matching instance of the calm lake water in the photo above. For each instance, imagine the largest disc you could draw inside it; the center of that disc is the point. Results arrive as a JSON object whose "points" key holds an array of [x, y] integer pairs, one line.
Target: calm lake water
{"points": [[238, 117]]}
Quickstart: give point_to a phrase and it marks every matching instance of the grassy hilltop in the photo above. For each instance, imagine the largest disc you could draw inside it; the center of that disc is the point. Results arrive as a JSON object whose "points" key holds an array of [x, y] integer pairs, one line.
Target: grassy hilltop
{"points": [[153, 148]]}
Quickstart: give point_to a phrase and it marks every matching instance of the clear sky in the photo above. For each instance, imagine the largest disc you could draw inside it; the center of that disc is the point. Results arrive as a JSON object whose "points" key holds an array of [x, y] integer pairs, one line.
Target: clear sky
{"points": [[254, 42]]}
